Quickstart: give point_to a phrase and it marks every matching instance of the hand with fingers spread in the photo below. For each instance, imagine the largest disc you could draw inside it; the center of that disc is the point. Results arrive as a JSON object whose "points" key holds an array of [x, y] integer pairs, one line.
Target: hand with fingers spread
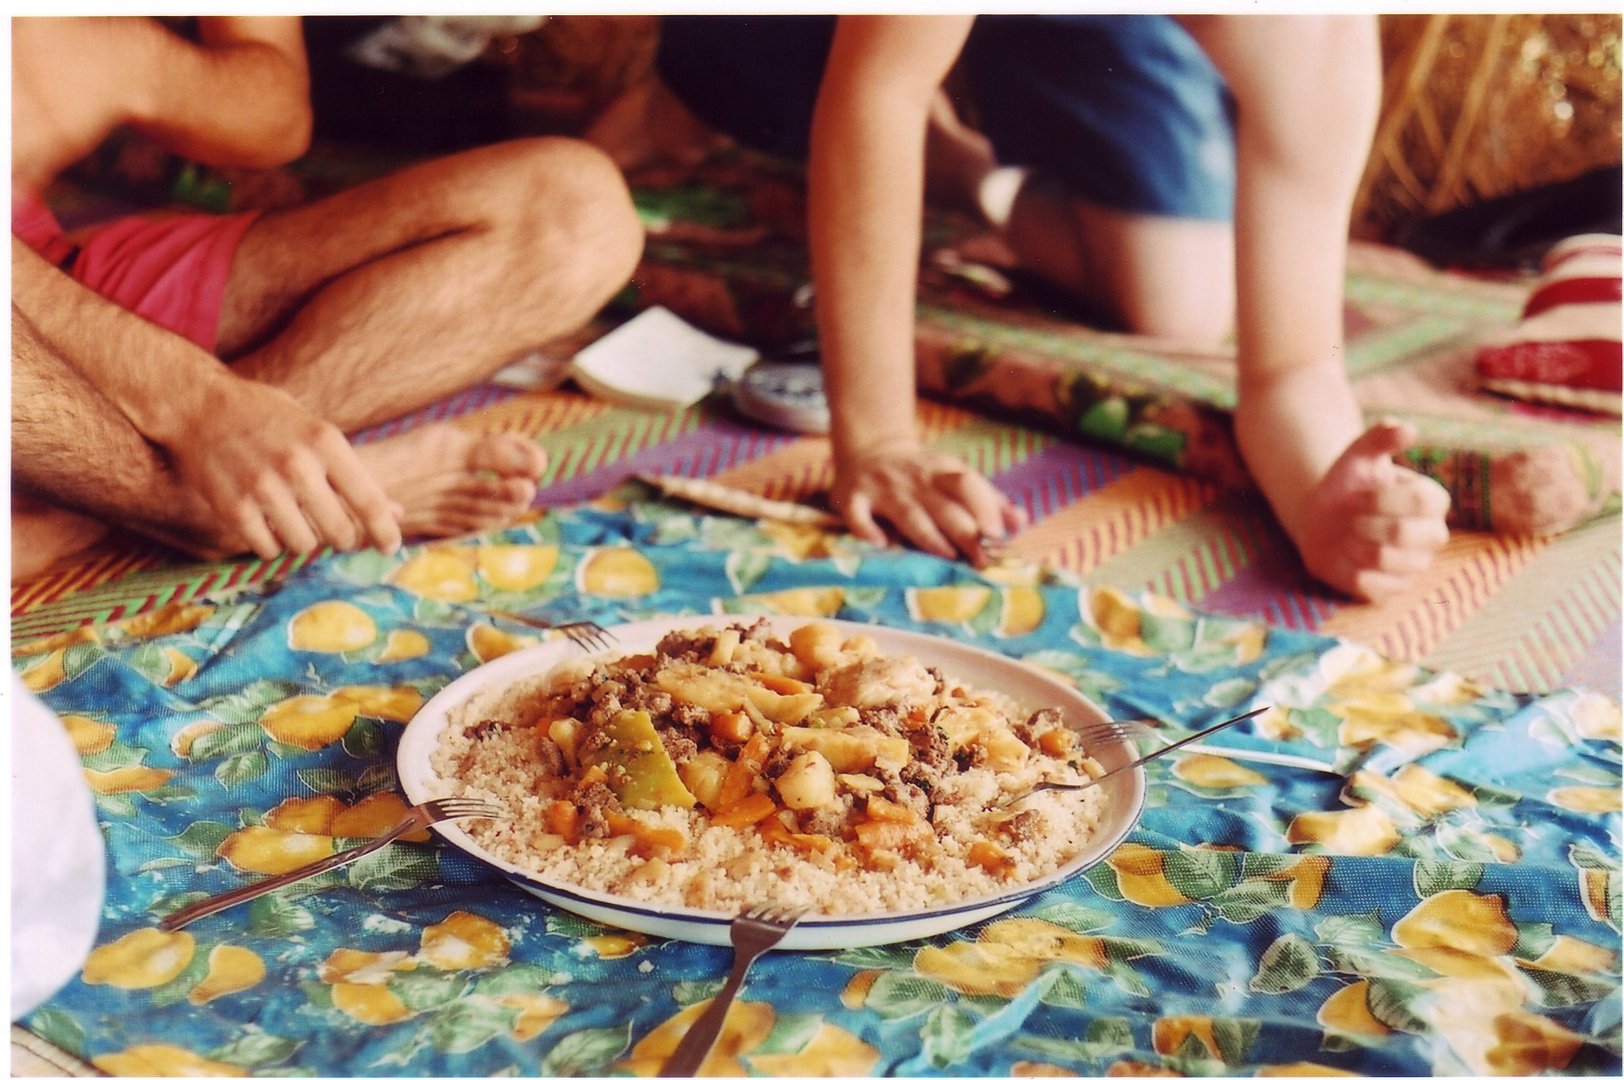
{"points": [[279, 475], [933, 500], [1371, 526]]}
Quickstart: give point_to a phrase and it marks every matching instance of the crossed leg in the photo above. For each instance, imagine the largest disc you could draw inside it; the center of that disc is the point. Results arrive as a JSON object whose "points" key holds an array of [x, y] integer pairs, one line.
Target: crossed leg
{"points": [[362, 306], [390, 295], [56, 417]]}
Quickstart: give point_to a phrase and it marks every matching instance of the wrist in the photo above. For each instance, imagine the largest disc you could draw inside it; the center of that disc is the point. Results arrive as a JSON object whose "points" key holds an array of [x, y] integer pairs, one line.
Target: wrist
{"points": [[171, 416], [854, 446]]}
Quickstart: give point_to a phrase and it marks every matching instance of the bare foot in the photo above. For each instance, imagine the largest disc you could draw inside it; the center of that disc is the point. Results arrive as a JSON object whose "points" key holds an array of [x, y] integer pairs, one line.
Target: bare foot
{"points": [[450, 482], [446, 481], [43, 535]]}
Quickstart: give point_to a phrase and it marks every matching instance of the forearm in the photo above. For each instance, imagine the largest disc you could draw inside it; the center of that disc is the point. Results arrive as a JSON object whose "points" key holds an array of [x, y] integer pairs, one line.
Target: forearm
{"points": [[865, 193], [865, 238], [1302, 136], [157, 379], [1291, 429], [238, 97]]}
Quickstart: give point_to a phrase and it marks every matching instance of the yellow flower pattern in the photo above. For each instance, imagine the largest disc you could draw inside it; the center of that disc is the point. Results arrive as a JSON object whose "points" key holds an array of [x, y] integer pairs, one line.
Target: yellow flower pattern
{"points": [[1440, 895]]}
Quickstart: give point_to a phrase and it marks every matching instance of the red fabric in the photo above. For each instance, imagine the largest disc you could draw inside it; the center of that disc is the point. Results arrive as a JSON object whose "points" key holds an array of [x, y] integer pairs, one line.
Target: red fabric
{"points": [[1566, 349], [1581, 247], [1587, 365], [33, 223], [1573, 290], [170, 269]]}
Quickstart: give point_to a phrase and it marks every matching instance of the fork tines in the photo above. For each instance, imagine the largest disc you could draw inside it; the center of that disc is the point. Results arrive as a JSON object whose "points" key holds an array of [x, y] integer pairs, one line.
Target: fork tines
{"points": [[440, 809], [774, 914], [1110, 732], [587, 634]]}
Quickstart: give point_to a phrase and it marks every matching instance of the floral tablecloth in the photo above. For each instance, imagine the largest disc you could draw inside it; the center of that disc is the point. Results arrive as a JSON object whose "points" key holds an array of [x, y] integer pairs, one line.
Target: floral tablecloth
{"points": [[1438, 893]]}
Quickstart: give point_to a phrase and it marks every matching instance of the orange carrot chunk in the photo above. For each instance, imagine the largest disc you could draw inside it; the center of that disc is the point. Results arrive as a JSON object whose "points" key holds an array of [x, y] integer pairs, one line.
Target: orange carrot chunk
{"points": [[746, 812], [563, 819]]}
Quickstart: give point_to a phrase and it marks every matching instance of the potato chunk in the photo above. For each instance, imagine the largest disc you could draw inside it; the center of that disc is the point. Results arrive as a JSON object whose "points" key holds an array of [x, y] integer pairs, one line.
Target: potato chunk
{"points": [[850, 750], [808, 783]]}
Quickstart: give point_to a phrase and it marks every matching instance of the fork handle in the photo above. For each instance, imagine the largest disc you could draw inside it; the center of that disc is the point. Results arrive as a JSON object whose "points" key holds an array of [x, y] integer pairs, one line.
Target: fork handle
{"points": [[244, 893], [696, 1043]]}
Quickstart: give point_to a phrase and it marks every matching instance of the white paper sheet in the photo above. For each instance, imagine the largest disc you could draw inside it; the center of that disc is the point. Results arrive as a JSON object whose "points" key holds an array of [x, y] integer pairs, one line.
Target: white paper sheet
{"points": [[656, 360]]}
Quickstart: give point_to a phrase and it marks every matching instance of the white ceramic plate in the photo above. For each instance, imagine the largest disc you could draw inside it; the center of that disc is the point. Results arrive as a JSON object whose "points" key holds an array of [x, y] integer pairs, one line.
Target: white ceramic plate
{"points": [[1029, 688]]}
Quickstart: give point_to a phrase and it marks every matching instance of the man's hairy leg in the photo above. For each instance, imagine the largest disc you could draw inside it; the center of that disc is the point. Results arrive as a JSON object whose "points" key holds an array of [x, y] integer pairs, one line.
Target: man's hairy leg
{"points": [[78, 466], [398, 292], [393, 294]]}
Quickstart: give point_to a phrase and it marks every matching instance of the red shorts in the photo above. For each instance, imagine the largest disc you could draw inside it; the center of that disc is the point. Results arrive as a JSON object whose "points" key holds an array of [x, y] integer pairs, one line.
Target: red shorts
{"points": [[170, 269]]}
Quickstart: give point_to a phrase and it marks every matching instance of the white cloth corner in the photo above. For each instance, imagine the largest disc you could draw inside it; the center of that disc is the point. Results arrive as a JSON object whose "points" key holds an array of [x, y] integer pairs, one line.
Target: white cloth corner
{"points": [[58, 863]]}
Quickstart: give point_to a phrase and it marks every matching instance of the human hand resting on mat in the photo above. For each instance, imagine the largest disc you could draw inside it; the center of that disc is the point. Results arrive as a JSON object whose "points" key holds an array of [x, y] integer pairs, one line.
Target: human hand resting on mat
{"points": [[1361, 522], [279, 475], [1371, 525], [935, 501]]}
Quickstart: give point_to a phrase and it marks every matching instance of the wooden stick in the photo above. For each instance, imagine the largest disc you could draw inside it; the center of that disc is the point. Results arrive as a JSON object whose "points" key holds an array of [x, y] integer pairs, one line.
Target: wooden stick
{"points": [[715, 496]]}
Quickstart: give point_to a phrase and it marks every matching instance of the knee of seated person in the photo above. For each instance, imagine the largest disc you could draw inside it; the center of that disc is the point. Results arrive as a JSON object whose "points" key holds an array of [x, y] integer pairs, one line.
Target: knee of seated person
{"points": [[563, 192]]}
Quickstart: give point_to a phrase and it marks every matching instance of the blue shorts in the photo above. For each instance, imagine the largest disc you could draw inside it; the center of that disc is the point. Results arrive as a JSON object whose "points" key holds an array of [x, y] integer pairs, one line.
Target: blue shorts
{"points": [[1124, 110]]}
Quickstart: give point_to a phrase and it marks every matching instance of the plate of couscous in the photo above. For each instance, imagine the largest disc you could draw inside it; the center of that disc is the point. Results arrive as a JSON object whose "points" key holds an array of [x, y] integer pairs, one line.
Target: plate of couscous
{"points": [[881, 778]]}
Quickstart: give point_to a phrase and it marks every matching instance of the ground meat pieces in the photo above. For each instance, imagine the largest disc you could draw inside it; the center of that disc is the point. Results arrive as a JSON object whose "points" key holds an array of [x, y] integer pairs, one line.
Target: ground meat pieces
{"points": [[887, 718], [909, 795], [827, 820], [930, 749], [487, 729], [1020, 828], [678, 747], [606, 703], [679, 645], [552, 758], [777, 763], [653, 701], [595, 801], [688, 715], [594, 744], [973, 756], [1040, 721]]}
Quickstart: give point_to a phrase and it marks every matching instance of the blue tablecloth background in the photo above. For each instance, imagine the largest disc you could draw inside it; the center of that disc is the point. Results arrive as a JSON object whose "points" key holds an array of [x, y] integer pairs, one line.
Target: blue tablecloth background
{"points": [[1442, 896]]}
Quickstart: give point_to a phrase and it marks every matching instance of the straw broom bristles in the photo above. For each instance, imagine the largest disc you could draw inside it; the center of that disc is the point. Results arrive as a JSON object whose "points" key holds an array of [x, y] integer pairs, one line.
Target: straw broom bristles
{"points": [[1476, 106]]}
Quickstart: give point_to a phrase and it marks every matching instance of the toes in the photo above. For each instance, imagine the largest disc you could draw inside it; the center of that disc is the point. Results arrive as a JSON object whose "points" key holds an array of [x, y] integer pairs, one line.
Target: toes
{"points": [[509, 455], [478, 504]]}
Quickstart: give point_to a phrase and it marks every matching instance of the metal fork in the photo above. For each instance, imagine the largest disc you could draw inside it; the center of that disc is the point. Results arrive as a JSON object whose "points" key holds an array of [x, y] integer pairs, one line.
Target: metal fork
{"points": [[1059, 785], [754, 931], [584, 633], [415, 817], [1110, 731]]}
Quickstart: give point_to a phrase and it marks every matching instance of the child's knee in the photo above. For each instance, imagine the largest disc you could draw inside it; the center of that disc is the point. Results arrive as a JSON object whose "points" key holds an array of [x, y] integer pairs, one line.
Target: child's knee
{"points": [[1194, 321]]}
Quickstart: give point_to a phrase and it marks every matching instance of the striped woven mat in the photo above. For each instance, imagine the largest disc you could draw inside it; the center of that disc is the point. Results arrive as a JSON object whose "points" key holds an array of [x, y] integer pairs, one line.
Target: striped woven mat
{"points": [[1516, 613], [726, 251]]}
